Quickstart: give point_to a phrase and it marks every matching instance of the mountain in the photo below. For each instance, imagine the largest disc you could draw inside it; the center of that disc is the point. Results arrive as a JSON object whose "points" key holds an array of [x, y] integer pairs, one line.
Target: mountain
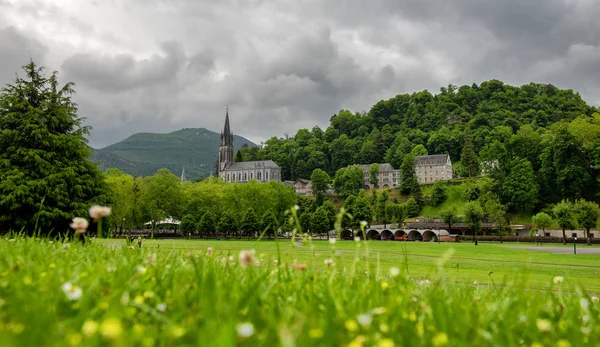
{"points": [[143, 154]]}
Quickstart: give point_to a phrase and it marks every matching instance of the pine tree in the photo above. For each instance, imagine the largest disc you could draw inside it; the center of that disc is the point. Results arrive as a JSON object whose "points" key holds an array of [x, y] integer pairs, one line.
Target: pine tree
{"points": [[468, 157], [45, 176]]}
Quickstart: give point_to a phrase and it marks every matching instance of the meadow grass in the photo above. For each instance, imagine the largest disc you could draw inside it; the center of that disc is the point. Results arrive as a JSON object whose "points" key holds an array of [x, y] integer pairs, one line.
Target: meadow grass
{"points": [[173, 292]]}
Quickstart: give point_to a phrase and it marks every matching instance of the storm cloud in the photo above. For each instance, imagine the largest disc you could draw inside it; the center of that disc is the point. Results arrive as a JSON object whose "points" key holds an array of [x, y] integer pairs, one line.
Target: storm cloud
{"points": [[161, 65]]}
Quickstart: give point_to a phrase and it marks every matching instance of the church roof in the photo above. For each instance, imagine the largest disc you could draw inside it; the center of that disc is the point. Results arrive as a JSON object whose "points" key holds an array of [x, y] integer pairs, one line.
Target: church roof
{"points": [[432, 159], [247, 165]]}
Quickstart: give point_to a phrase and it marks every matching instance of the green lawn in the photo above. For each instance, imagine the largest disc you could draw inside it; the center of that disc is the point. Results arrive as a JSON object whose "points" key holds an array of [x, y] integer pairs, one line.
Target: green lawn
{"points": [[173, 292], [461, 262]]}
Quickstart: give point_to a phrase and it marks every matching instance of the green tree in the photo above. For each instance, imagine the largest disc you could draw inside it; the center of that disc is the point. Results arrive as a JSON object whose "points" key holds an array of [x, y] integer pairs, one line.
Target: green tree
{"points": [[250, 222], [46, 178], [397, 213], [320, 181], [332, 212], [348, 181], [542, 220], [565, 218], [269, 223], [587, 214], [408, 175], [121, 186], [438, 194], [419, 150], [497, 213], [519, 190], [305, 222], [412, 208], [227, 224], [374, 174], [362, 211], [473, 216], [450, 217], [207, 224], [163, 198], [381, 208], [468, 158], [320, 222], [188, 224]]}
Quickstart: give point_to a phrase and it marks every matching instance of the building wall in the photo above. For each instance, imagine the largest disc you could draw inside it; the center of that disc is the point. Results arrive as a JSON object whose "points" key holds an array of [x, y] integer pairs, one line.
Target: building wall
{"points": [[386, 179], [247, 175], [430, 173]]}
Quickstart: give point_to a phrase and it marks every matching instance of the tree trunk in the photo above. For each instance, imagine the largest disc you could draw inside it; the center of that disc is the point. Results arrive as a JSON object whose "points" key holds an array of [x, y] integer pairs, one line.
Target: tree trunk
{"points": [[564, 236], [589, 239]]}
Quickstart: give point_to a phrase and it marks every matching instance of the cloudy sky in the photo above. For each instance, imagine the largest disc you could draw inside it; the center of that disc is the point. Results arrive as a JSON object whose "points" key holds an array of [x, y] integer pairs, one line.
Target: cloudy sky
{"points": [[281, 65]]}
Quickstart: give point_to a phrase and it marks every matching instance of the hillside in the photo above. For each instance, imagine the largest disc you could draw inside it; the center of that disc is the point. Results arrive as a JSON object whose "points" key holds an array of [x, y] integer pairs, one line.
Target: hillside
{"points": [[143, 153]]}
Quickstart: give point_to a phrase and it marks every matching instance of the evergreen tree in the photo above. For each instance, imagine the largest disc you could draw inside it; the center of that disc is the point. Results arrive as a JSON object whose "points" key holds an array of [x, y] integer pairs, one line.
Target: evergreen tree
{"points": [[46, 178], [305, 222], [468, 157], [408, 175]]}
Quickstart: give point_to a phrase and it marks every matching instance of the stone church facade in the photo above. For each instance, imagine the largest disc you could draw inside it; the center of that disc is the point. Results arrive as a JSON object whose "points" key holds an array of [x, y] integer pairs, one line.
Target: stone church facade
{"points": [[230, 171]]}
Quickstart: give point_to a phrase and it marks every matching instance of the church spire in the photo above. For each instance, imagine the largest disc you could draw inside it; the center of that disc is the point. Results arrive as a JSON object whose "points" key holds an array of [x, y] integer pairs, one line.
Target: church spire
{"points": [[226, 130]]}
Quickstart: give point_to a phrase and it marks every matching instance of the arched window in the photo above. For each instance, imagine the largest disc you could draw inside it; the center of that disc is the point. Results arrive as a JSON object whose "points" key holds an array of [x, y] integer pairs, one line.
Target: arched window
{"points": [[267, 175], [227, 180], [245, 176], [239, 176], [251, 175], [258, 175]]}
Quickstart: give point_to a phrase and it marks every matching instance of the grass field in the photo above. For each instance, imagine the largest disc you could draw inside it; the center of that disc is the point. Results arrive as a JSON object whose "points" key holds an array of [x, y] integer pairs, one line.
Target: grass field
{"points": [[175, 292]]}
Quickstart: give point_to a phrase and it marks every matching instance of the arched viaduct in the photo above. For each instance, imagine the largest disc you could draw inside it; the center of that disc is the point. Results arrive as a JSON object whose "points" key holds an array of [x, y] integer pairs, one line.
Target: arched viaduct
{"points": [[396, 234]]}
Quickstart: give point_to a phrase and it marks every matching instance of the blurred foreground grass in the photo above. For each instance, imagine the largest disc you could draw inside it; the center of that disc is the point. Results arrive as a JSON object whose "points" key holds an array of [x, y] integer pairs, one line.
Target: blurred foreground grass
{"points": [[174, 293]]}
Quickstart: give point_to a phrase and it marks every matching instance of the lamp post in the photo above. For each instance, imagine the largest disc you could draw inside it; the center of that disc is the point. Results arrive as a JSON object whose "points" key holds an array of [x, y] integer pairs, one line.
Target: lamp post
{"points": [[536, 239], [575, 245]]}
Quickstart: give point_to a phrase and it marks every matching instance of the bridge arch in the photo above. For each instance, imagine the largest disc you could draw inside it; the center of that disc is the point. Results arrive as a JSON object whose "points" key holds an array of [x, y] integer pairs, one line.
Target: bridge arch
{"points": [[373, 234], [414, 235], [399, 233], [429, 235], [346, 234], [387, 235]]}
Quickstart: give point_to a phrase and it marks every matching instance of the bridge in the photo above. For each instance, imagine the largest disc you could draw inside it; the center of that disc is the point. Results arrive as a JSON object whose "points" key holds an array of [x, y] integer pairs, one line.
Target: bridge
{"points": [[397, 234]]}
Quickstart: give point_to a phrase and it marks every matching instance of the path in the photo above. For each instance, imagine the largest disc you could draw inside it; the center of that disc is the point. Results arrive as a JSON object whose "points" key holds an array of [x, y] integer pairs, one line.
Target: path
{"points": [[562, 250]]}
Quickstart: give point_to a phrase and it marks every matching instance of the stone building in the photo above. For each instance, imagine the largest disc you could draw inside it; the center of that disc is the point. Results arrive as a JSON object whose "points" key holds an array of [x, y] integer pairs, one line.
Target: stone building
{"points": [[431, 168], [301, 186], [388, 176], [230, 171]]}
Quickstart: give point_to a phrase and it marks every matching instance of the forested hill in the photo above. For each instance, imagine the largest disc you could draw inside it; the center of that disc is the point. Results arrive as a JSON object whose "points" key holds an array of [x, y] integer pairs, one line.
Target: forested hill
{"points": [[523, 121], [143, 154]]}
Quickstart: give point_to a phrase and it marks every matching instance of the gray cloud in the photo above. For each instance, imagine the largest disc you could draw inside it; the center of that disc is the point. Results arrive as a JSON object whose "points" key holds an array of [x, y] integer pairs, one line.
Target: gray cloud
{"points": [[160, 65]]}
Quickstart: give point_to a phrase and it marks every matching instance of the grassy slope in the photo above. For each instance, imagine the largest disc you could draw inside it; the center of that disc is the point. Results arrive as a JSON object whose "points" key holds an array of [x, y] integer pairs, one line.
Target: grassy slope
{"points": [[177, 295], [144, 153]]}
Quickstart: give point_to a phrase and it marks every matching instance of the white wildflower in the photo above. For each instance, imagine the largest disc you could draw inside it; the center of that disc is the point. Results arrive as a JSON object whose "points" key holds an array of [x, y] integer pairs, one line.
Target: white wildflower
{"points": [[363, 224], [66, 245], [247, 258], [394, 271], [72, 292], [161, 307], [356, 238], [209, 252], [245, 329], [558, 279], [595, 299], [364, 319], [97, 212], [332, 241], [80, 225], [584, 303], [329, 262], [543, 325], [141, 270]]}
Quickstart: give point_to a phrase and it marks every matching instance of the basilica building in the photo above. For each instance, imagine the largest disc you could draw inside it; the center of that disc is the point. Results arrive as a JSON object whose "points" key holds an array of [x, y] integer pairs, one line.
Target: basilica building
{"points": [[230, 171]]}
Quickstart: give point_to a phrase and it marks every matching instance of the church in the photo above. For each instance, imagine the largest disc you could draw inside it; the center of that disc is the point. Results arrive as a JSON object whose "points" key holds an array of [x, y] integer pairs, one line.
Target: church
{"points": [[230, 171]]}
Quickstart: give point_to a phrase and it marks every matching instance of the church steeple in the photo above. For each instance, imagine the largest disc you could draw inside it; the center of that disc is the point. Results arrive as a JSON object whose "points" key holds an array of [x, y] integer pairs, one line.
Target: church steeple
{"points": [[226, 147]]}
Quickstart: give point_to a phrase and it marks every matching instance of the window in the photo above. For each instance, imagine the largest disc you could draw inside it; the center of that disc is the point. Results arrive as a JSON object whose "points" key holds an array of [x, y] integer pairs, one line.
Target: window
{"points": [[245, 177], [258, 175], [251, 175], [227, 178], [267, 175]]}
